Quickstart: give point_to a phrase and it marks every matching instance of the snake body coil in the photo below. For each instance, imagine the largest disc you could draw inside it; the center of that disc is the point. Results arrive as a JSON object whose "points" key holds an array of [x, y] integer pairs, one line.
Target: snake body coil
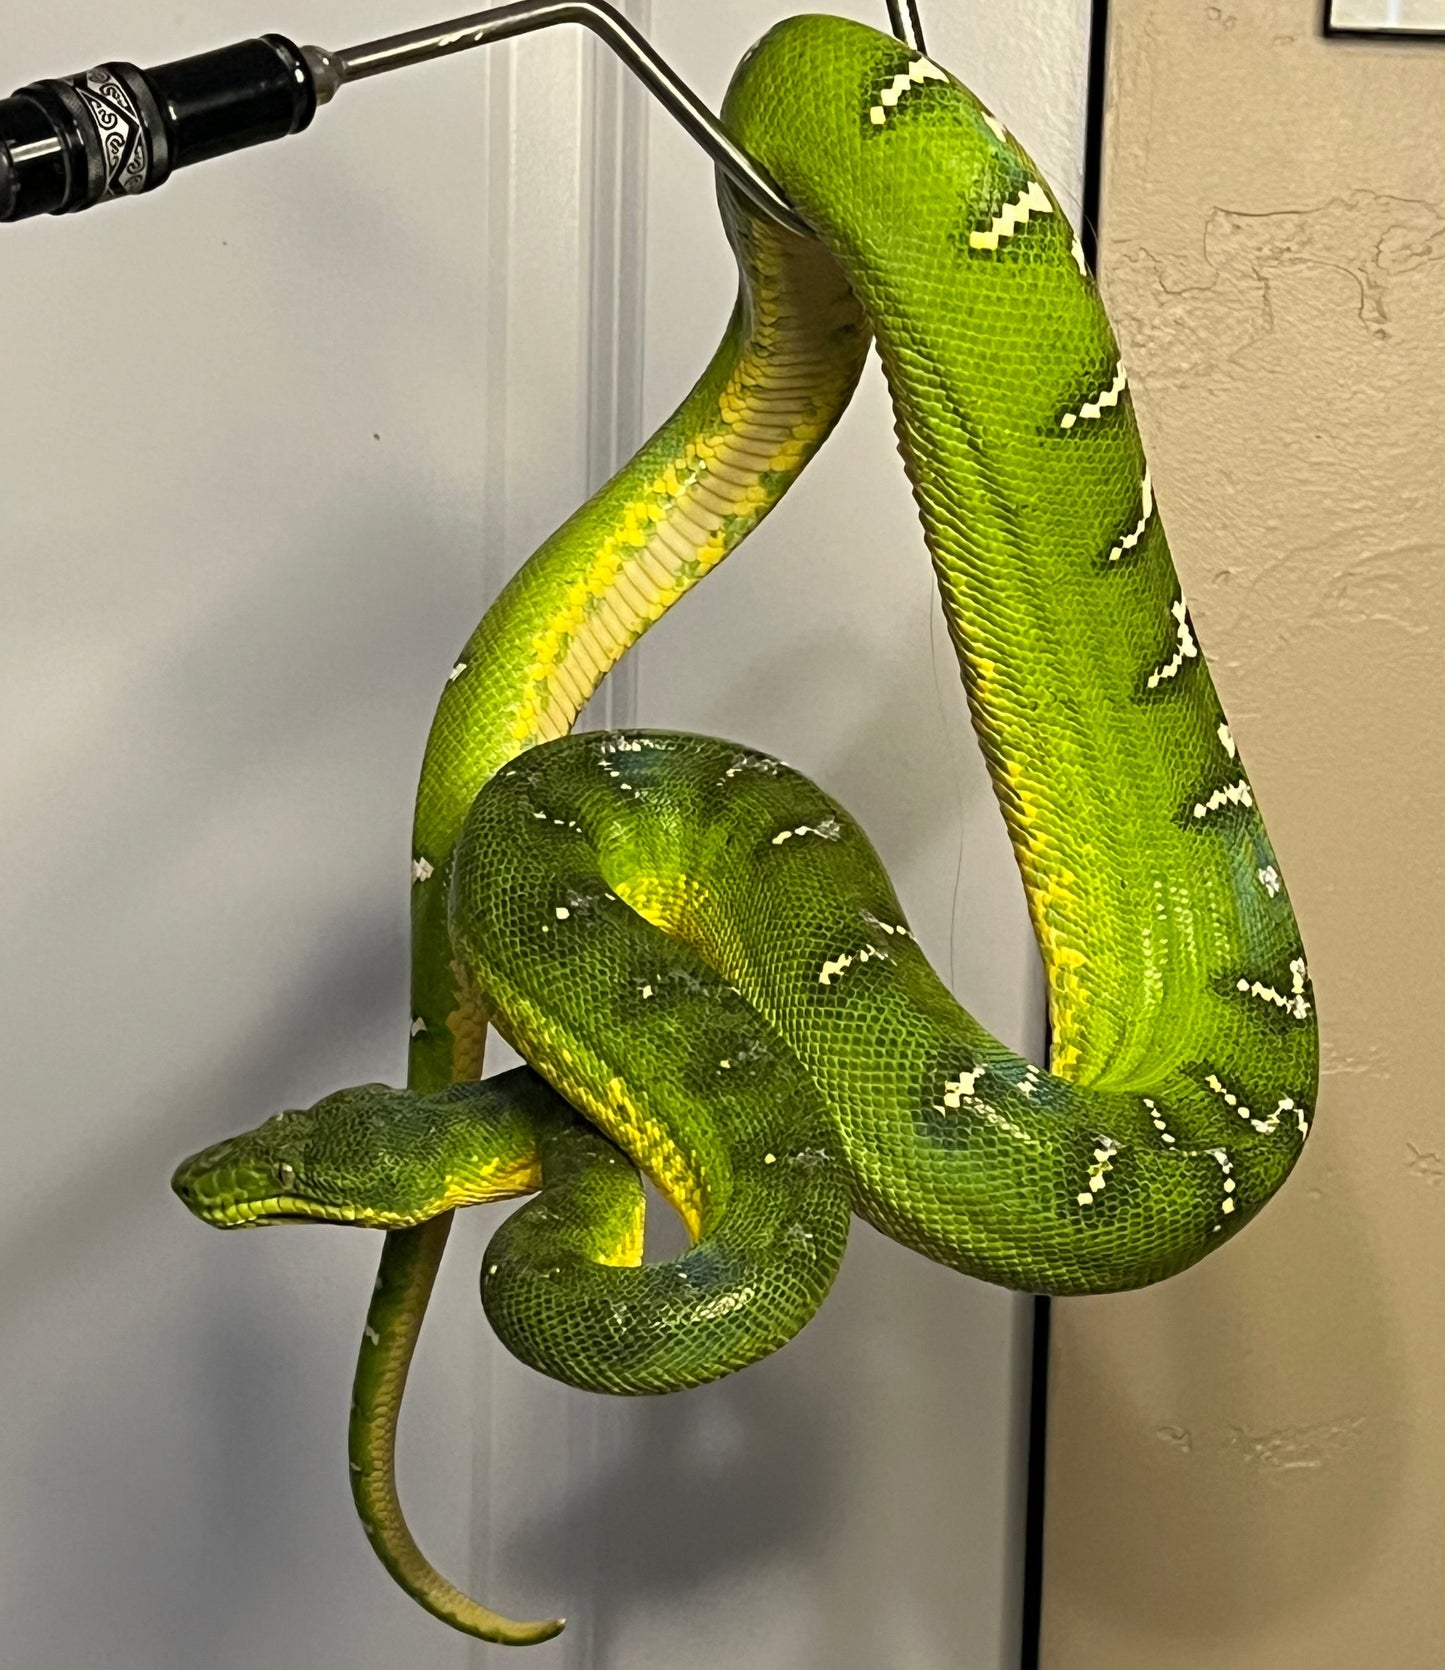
{"points": [[700, 950]]}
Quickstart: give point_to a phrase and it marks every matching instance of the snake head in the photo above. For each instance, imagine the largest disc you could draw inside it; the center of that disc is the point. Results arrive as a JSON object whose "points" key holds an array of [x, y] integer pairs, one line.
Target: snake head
{"points": [[376, 1157], [327, 1164]]}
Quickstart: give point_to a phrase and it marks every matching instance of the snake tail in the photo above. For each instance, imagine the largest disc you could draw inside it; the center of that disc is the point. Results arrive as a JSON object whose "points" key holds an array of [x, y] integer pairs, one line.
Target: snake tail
{"points": [[409, 1264]]}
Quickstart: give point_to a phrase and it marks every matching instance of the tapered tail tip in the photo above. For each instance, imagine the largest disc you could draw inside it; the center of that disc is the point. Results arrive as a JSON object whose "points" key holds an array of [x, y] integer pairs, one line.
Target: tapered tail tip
{"points": [[532, 1635]]}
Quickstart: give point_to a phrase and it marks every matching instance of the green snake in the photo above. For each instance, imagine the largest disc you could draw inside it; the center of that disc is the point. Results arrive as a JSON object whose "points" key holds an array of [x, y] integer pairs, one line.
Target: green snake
{"points": [[698, 952]]}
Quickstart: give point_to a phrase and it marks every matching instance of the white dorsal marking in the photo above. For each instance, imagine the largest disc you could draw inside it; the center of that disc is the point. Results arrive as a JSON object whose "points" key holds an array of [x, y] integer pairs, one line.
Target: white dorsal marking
{"points": [[1295, 1004], [999, 131], [1099, 1171], [1094, 409], [837, 965], [1232, 794], [827, 830], [889, 928], [1230, 1099], [1081, 261], [1186, 651], [956, 1091], [421, 870], [1269, 880], [1226, 741], [1160, 1123], [1146, 515], [1267, 1126], [1226, 1165], [755, 762], [1013, 217], [919, 71]]}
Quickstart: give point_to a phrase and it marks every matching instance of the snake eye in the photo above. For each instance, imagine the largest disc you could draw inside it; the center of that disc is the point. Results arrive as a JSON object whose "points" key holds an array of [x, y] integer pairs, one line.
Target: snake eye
{"points": [[285, 1175]]}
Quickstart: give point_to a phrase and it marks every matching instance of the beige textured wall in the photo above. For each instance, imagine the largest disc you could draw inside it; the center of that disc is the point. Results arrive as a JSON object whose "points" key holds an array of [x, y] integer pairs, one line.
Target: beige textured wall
{"points": [[1248, 1463]]}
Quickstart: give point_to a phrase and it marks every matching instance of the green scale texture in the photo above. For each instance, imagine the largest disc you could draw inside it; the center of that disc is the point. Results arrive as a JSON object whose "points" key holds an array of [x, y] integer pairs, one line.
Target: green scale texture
{"points": [[1185, 1050], [661, 1052], [775, 942]]}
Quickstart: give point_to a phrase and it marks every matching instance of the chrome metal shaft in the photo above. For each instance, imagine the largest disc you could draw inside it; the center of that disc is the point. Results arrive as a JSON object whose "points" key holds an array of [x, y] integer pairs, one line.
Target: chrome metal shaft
{"points": [[333, 70], [903, 15]]}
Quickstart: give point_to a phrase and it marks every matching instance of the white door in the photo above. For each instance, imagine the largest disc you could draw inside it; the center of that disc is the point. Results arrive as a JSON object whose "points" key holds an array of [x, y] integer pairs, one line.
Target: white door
{"points": [[269, 442]]}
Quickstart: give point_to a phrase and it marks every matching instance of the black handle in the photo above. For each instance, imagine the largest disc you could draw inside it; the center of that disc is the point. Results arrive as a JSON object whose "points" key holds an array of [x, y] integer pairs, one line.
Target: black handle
{"points": [[116, 130]]}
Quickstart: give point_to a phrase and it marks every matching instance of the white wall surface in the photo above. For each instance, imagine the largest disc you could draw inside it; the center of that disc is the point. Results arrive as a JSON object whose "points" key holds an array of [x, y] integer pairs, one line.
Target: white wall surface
{"points": [[269, 442]]}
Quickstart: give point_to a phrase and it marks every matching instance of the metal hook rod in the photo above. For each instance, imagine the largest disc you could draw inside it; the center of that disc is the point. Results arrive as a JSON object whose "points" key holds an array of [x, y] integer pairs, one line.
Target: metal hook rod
{"points": [[907, 25], [333, 70]]}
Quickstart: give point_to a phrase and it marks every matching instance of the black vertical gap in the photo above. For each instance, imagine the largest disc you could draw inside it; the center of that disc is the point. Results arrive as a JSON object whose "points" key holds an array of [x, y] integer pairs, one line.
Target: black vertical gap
{"points": [[1033, 1584], [1033, 1596], [1094, 129]]}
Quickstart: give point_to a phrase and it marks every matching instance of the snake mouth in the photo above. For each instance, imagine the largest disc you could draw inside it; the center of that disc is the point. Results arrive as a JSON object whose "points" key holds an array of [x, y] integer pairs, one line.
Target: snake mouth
{"points": [[234, 1190], [239, 1212], [220, 1199], [228, 1195], [236, 1212], [252, 1214]]}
